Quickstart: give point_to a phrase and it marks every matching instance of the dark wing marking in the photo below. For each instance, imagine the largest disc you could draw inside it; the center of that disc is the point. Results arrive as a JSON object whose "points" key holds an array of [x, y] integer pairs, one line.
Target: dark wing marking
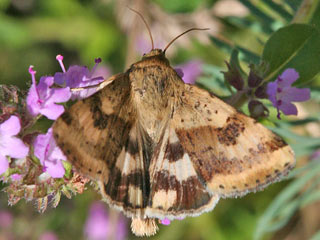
{"points": [[176, 190]]}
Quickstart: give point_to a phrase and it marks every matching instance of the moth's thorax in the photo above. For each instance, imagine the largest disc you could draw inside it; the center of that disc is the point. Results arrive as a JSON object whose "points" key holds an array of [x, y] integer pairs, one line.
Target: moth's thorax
{"points": [[152, 88]]}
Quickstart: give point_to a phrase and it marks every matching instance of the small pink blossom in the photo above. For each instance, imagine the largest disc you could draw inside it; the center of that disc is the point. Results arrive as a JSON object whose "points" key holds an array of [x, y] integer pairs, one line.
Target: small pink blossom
{"points": [[49, 154], [10, 145], [165, 221], [42, 98], [80, 76]]}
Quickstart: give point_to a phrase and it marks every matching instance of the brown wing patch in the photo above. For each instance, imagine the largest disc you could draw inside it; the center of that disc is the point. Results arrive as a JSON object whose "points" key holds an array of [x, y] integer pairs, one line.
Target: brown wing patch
{"points": [[100, 138], [230, 152], [128, 186], [176, 190], [88, 133]]}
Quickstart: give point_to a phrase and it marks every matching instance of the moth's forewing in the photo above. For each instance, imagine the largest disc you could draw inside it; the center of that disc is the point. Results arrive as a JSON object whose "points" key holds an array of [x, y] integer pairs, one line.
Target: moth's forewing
{"points": [[99, 137]]}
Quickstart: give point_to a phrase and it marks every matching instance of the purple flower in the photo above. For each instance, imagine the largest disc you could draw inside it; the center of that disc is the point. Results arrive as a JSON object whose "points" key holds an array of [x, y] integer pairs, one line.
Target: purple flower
{"points": [[49, 154], [9, 144], [6, 219], [315, 155], [16, 177], [281, 94], [190, 71], [42, 99], [79, 76], [165, 221], [100, 226]]}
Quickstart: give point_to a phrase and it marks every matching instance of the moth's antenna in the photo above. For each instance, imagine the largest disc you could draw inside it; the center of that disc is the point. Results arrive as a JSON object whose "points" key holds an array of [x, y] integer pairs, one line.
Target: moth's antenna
{"points": [[145, 24], [191, 29]]}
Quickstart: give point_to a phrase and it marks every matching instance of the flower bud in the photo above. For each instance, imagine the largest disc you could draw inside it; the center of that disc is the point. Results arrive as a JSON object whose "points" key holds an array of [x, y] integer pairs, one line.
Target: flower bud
{"points": [[261, 92], [233, 77], [254, 80], [257, 109]]}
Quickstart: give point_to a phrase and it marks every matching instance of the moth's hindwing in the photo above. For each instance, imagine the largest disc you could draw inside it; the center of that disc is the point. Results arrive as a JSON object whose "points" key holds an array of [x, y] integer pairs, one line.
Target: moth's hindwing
{"points": [[231, 153], [176, 189]]}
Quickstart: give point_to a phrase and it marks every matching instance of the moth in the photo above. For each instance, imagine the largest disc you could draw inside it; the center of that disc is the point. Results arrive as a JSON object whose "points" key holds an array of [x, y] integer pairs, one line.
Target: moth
{"points": [[160, 148]]}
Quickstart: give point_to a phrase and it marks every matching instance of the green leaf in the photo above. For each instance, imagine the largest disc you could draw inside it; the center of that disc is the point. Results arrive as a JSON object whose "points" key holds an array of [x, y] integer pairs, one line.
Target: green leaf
{"points": [[295, 46], [265, 19], [315, 19], [68, 167], [266, 222], [248, 56], [4, 4], [279, 9], [179, 5], [244, 54], [294, 4]]}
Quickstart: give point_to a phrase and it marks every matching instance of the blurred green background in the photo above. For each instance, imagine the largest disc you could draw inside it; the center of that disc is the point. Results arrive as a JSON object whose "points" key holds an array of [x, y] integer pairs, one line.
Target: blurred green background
{"points": [[33, 32]]}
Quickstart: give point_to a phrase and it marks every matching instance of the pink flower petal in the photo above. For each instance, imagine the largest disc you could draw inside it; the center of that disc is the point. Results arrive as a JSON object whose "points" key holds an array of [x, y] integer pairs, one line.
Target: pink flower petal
{"points": [[289, 76], [272, 91], [49, 154], [52, 111], [10, 127], [13, 147], [165, 221], [282, 94], [56, 152], [55, 168], [59, 95], [4, 164], [288, 108], [294, 94], [16, 177], [33, 105], [40, 147]]}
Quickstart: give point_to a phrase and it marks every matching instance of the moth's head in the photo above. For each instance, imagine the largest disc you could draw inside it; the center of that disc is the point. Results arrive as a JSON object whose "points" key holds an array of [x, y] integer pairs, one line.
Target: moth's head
{"points": [[153, 53]]}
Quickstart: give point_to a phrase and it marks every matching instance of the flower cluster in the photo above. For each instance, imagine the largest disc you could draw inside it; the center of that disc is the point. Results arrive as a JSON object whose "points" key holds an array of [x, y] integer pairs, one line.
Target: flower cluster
{"points": [[280, 92], [27, 158]]}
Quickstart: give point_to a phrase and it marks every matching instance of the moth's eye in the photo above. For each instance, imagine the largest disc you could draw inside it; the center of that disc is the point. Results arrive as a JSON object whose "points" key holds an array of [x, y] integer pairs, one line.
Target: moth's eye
{"points": [[144, 54]]}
